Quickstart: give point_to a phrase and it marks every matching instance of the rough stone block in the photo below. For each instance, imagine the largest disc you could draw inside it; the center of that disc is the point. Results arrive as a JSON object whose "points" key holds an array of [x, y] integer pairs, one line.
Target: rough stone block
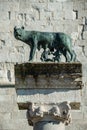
{"points": [[46, 96], [85, 51], [6, 98], [4, 5], [14, 5], [22, 114], [5, 40], [85, 19], [74, 37], [58, 6], [15, 124], [47, 28], [57, 26], [71, 15], [70, 25], [77, 125], [85, 28], [40, 6], [5, 27], [41, 25], [24, 5], [5, 116], [4, 16], [58, 15], [68, 6], [12, 16], [78, 5], [77, 115], [85, 4], [82, 126], [69, 28], [45, 15], [81, 21], [6, 107], [7, 74], [81, 43], [82, 13], [9, 5], [85, 112], [7, 91], [85, 34]]}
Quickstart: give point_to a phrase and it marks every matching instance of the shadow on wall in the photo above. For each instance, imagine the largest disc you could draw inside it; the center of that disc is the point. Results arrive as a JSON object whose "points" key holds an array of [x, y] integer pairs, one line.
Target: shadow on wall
{"points": [[22, 92]]}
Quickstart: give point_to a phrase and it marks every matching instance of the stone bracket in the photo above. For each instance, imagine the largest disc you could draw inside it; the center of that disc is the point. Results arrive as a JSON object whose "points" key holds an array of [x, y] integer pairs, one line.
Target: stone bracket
{"points": [[57, 112]]}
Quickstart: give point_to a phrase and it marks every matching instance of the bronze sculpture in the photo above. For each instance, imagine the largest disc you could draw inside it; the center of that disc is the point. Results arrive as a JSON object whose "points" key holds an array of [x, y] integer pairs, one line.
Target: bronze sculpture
{"points": [[59, 42]]}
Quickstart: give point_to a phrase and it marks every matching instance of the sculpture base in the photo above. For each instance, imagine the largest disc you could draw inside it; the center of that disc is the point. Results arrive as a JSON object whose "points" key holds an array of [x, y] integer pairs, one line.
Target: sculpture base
{"points": [[49, 75], [42, 81]]}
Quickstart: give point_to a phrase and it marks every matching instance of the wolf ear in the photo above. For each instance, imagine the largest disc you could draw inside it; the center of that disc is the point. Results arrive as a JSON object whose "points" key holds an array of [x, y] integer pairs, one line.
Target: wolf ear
{"points": [[22, 27]]}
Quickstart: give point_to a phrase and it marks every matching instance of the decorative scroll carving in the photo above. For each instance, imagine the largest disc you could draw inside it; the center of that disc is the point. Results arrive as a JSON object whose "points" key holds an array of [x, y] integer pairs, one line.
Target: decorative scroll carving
{"points": [[52, 43], [41, 112]]}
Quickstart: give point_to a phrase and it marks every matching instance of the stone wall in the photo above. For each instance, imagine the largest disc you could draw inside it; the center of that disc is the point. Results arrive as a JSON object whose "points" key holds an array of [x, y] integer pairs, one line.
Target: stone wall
{"points": [[69, 16]]}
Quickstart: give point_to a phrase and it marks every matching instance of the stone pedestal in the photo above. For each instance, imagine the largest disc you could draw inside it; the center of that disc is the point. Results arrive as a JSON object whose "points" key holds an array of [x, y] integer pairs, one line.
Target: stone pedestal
{"points": [[48, 75], [49, 91], [49, 116]]}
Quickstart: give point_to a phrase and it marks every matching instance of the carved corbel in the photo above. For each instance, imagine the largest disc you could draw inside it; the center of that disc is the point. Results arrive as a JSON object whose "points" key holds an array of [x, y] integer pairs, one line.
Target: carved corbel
{"points": [[49, 112]]}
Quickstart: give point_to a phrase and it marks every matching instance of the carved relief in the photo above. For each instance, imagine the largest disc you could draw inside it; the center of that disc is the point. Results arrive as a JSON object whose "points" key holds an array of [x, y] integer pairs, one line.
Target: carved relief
{"points": [[58, 112]]}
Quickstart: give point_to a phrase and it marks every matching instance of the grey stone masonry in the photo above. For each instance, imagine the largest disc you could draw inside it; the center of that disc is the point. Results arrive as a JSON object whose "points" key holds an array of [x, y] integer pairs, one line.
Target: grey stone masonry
{"points": [[7, 76], [68, 16]]}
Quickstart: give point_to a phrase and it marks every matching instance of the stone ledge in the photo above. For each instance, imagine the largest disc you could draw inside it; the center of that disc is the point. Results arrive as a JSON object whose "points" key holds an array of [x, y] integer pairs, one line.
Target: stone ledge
{"points": [[74, 105], [48, 75]]}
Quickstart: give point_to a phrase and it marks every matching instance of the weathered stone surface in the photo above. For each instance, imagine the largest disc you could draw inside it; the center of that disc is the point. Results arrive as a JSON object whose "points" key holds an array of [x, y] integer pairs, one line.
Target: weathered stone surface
{"points": [[78, 5], [48, 95], [77, 115], [7, 74], [77, 125], [14, 124], [7, 116], [58, 6], [58, 112], [85, 35], [70, 16], [19, 115], [49, 75], [40, 15]]}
